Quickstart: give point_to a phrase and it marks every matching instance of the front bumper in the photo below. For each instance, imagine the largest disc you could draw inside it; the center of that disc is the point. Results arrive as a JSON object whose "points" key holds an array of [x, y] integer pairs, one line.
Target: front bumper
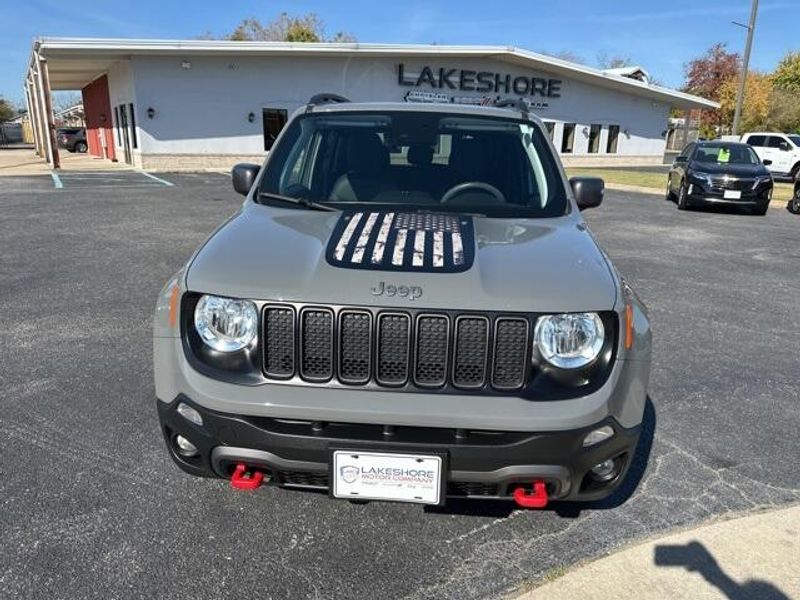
{"points": [[480, 464], [702, 193]]}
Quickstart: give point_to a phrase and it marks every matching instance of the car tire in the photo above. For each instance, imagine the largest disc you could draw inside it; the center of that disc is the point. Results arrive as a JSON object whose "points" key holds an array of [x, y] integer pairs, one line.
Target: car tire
{"points": [[794, 203], [683, 197], [794, 172], [761, 210], [80, 147], [669, 195]]}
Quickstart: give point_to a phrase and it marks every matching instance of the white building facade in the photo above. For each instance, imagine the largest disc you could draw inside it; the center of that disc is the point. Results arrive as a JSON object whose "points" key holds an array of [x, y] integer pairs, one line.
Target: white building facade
{"points": [[201, 104]]}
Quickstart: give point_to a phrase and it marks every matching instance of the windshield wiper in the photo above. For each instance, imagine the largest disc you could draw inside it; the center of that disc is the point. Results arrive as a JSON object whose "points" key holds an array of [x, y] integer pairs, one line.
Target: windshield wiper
{"points": [[297, 201]]}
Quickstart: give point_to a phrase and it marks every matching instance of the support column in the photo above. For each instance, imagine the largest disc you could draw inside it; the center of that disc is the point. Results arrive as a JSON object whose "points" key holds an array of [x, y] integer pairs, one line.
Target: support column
{"points": [[33, 116], [39, 99], [686, 120], [51, 124]]}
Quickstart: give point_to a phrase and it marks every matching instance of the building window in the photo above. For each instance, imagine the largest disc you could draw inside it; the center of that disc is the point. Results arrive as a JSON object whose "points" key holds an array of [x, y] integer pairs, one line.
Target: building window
{"points": [[274, 120], [551, 127], [134, 139], [116, 123], [568, 139], [594, 138], [613, 138]]}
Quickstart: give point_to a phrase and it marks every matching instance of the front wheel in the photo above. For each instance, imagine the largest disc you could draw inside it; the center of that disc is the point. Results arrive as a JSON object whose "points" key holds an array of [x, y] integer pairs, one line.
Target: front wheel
{"points": [[761, 209], [683, 197], [794, 203], [80, 147], [669, 195]]}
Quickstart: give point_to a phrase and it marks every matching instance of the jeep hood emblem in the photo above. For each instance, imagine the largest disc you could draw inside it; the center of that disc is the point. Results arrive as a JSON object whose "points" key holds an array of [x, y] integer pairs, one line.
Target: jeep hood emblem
{"points": [[412, 292]]}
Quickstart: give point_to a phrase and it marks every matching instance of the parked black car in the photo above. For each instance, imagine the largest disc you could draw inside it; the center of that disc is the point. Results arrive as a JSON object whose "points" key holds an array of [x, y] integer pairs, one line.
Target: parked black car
{"points": [[72, 139], [794, 203], [721, 173]]}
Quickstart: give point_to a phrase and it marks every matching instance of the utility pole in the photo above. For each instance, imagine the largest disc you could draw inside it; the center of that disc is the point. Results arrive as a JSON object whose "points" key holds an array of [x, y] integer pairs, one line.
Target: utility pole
{"points": [[740, 94]]}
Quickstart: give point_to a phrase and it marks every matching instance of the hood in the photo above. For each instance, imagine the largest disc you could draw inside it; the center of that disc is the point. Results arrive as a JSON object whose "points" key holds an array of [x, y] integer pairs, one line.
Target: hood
{"points": [[734, 170], [536, 265]]}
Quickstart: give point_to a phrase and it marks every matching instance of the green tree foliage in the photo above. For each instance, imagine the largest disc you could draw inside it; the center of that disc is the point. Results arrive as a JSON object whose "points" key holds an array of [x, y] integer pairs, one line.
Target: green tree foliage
{"points": [[7, 110], [787, 73], [286, 28]]}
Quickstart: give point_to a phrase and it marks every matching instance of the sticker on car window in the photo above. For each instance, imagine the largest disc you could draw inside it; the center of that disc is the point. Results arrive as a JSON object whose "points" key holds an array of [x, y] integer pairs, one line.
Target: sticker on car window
{"points": [[724, 155]]}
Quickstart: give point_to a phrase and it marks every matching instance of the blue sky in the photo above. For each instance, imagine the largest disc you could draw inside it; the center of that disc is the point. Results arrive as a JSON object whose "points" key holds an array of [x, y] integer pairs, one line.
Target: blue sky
{"points": [[660, 35]]}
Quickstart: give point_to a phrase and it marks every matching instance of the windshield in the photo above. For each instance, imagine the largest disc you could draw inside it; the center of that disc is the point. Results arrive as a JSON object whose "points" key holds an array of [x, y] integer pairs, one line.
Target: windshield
{"points": [[795, 139], [417, 160], [724, 154]]}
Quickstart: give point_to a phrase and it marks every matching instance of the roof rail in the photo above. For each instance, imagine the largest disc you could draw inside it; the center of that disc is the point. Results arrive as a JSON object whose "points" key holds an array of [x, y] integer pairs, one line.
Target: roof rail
{"points": [[325, 98], [517, 103]]}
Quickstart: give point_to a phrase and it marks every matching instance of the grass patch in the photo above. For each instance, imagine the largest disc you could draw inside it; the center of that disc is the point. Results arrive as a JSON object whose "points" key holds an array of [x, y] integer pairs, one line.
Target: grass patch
{"points": [[657, 181]]}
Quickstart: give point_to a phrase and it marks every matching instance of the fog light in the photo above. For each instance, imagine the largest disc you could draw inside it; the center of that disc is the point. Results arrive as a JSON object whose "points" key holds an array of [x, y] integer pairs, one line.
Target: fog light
{"points": [[598, 435], [605, 471], [190, 414], [185, 447]]}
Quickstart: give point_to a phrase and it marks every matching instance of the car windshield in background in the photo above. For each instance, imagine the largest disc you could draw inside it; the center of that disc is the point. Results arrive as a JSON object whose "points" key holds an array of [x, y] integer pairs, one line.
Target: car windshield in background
{"points": [[726, 154], [433, 161], [795, 139]]}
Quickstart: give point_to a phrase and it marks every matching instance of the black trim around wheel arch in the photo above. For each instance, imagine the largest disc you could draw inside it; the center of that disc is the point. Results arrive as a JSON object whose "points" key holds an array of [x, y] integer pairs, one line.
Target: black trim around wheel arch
{"points": [[480, 463]]}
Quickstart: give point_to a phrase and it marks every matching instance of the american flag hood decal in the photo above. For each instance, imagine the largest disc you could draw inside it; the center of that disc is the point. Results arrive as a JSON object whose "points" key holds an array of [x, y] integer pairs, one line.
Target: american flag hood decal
{"points": [[400, 241]]}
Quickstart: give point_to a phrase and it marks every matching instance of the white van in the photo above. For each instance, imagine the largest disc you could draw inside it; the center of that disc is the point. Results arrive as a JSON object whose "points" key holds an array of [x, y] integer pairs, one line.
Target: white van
{"points": [[783, 149]]}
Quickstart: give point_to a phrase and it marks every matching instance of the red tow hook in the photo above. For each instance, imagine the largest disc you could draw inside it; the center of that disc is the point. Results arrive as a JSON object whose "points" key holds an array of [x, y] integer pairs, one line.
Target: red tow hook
{"points": [[535, 499], [244, 480]]}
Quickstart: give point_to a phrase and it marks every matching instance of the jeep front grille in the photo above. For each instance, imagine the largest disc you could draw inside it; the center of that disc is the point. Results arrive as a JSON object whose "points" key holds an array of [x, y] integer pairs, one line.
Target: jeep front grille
{"points": [[403, 349]]}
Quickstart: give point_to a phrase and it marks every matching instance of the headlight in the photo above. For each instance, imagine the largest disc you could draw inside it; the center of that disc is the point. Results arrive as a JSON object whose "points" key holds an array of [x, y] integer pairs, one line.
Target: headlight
{"points": [[226, 324], [761, 179], [705, 177], [569, 341]]}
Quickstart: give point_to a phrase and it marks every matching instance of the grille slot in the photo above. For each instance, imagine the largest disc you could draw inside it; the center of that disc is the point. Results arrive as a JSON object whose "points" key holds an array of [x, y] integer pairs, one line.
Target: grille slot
{"points": [[355, 346], [430, 367], [279, 361], [394, 333], [510, 353], [316, 354], [471, 350]]}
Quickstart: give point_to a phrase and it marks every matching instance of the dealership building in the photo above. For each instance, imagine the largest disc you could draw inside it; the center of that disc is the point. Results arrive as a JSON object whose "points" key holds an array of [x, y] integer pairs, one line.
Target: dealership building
{"points": [[165, 104]]}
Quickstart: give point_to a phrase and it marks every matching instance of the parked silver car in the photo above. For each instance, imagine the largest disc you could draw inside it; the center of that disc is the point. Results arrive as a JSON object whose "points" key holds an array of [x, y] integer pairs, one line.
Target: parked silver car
{"points": [[408, 306]]}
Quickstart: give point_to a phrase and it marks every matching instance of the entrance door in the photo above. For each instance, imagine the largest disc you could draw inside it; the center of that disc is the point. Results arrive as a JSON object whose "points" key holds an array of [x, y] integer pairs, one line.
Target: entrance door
{"points": [[126, 137]]}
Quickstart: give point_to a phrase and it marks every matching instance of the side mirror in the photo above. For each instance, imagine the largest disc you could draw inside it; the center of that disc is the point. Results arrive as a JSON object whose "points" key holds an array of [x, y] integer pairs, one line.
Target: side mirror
{"points": [[785, 146], [243, 176], [767, 162], [588, 191]]}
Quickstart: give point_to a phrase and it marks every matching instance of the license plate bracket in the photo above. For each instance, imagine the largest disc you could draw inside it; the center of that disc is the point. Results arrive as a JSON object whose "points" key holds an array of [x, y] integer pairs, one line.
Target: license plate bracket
{"points": [[417, 477], [732, 194]]}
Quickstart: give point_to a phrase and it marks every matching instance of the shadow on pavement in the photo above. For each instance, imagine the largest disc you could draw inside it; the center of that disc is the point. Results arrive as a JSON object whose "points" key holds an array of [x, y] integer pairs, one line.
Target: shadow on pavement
{"points": [[695, 558]]}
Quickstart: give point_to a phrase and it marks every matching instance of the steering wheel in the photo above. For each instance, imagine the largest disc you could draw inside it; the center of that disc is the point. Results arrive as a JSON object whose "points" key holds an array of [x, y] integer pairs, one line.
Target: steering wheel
{"points": [[460, 188]]}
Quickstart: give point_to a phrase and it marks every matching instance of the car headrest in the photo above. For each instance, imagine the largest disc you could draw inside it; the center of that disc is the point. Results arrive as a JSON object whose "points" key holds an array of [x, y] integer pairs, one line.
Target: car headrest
{"points": [[366, 154], [420, 155]]}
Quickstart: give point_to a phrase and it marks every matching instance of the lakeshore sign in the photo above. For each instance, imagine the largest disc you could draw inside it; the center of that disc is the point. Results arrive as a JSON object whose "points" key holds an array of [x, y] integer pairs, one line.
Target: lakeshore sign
{"points": [[487, 82]]}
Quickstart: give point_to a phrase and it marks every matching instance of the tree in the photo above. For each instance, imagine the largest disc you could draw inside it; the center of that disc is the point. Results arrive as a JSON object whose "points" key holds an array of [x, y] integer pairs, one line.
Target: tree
{"points": [[705, 77], [784, 111], [7, 110], [787, 73], [286, 28], [757, 101], [567, 55], [612, 62]]}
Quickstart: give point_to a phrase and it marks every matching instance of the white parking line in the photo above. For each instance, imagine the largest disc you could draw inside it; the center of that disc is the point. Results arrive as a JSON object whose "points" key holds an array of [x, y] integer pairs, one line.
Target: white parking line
{"points": [[56, 180], [164, 181]]}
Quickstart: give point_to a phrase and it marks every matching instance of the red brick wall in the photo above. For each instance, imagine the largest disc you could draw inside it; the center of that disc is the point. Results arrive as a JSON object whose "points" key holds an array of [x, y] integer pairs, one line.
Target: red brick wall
{"points": [[99, 122]]}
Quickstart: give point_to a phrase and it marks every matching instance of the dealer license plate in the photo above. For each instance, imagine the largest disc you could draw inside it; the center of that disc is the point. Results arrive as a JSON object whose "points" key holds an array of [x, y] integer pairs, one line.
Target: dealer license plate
{"points": [[387, 476], [732, 194]]}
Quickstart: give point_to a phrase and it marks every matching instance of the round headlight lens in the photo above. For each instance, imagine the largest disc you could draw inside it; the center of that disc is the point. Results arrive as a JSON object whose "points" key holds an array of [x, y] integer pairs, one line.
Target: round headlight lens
{"points": [[226, 324], [569, 341]]}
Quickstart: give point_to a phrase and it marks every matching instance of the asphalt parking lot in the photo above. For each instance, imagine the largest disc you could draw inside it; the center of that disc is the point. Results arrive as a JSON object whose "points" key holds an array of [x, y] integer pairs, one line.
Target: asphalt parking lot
{"points": [[92, 507]]}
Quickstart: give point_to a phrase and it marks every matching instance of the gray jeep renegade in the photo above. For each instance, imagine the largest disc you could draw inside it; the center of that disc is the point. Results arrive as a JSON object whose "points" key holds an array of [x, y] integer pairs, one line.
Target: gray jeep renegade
{"points": [[408, 306]]}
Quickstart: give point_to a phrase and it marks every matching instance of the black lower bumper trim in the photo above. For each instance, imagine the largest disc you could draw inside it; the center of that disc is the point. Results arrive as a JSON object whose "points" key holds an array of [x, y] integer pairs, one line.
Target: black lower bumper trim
{"points": [[481, 464]]}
